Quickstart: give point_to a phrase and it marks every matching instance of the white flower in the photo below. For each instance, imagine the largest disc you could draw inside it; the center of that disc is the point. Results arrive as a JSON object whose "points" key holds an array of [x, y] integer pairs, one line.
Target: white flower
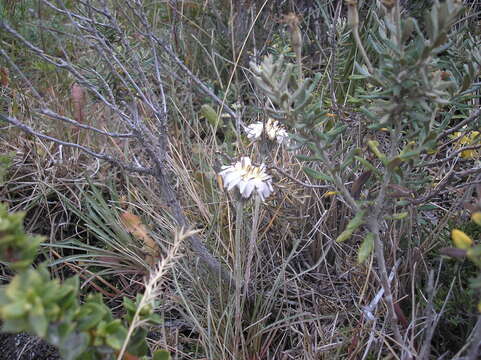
{"points": [[254, 131], [274, 131], [247, 178]]}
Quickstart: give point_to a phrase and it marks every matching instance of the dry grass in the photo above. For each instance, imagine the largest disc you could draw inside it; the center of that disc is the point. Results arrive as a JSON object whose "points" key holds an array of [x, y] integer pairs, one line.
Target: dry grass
{"points": [[306, 298]]}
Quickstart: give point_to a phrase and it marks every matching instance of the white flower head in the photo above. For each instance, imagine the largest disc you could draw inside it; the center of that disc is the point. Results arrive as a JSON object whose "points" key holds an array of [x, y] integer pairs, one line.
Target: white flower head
{"points": [[247, 178], [274, 131]]}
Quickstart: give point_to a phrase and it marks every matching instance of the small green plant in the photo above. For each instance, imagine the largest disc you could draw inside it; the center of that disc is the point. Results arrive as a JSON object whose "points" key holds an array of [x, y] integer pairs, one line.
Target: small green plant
{"points": [[51, 310]]}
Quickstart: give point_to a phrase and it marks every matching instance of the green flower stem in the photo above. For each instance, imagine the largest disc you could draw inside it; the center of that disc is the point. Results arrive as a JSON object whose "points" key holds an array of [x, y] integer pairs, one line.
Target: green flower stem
{"points": [[252, 245], [238, 275]]}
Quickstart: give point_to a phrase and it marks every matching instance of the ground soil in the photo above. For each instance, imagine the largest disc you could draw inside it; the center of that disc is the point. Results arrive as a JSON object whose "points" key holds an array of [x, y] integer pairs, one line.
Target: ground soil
{"points": [[25, 347]]}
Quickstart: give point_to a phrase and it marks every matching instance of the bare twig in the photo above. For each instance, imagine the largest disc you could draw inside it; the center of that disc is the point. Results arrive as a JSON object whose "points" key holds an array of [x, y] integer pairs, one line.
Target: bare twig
{"points": [[101, 156], [462, 123], [278, 169]]}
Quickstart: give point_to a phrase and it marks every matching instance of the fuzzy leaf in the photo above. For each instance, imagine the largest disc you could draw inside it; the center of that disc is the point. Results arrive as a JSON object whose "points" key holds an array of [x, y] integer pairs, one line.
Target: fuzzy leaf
{"points": [[366, 248], [352, 226], [316, 174], [210, 114]]}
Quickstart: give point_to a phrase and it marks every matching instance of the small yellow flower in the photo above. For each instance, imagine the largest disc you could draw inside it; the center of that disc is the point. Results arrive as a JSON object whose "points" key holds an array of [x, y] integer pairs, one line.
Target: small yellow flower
{"points": [[470, 139], [461, 240]]}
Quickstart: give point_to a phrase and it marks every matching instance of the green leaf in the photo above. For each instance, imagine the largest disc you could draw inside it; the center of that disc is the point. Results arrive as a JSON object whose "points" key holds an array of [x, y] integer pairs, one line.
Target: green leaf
{"points": [[38, 323], [90, 315], [367, 165], [352, 226], [161, 355], [345, 235], [210, 114], [75, 346], [129, 304], [308, 158], [427, 207], [155, 319], [137, 343], [408, 28], [14, 310], [374, 147], [400, 216], [336, 131], [115, 334], [5, 162], [366, 248], [316, 174]]}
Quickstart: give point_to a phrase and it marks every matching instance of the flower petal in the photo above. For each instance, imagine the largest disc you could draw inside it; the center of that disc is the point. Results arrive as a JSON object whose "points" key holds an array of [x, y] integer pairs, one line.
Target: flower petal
{"points": [[247, 191]]}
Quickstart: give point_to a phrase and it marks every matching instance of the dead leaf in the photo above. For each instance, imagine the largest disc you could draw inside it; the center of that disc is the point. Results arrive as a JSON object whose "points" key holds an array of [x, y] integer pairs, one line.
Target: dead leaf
{"points": [[133, 224], [4, 78], [78, 102]]}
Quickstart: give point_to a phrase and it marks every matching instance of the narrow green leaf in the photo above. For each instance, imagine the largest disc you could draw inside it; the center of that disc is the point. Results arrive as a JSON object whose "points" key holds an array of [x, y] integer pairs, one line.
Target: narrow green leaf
{"points": [[316, 174], [366, 248], [352, 226], [210, 114]]}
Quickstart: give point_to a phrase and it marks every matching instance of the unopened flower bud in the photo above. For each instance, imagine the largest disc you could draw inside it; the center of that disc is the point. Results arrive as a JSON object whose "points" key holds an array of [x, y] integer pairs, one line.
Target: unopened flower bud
{"points": [[461, 240]]}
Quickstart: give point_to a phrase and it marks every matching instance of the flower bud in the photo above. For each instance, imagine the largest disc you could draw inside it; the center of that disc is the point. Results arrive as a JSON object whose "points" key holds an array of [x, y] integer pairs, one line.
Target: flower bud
{"points": [[476, 217], [460, 239]]}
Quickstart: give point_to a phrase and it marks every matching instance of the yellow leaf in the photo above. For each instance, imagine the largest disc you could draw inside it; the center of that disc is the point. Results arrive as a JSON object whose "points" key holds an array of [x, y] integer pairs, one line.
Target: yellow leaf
{"points": [[4, 78], [461, 240], [330, 193], [220, 182]]}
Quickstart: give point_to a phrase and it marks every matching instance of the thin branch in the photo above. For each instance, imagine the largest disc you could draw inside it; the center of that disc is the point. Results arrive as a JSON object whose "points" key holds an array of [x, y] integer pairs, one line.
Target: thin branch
{"points": [[196, 80], [83, 18], [62, 64], [101, 156], [22, 75], [56, 116], [458, 126], [299, 181], [450, 157]]}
